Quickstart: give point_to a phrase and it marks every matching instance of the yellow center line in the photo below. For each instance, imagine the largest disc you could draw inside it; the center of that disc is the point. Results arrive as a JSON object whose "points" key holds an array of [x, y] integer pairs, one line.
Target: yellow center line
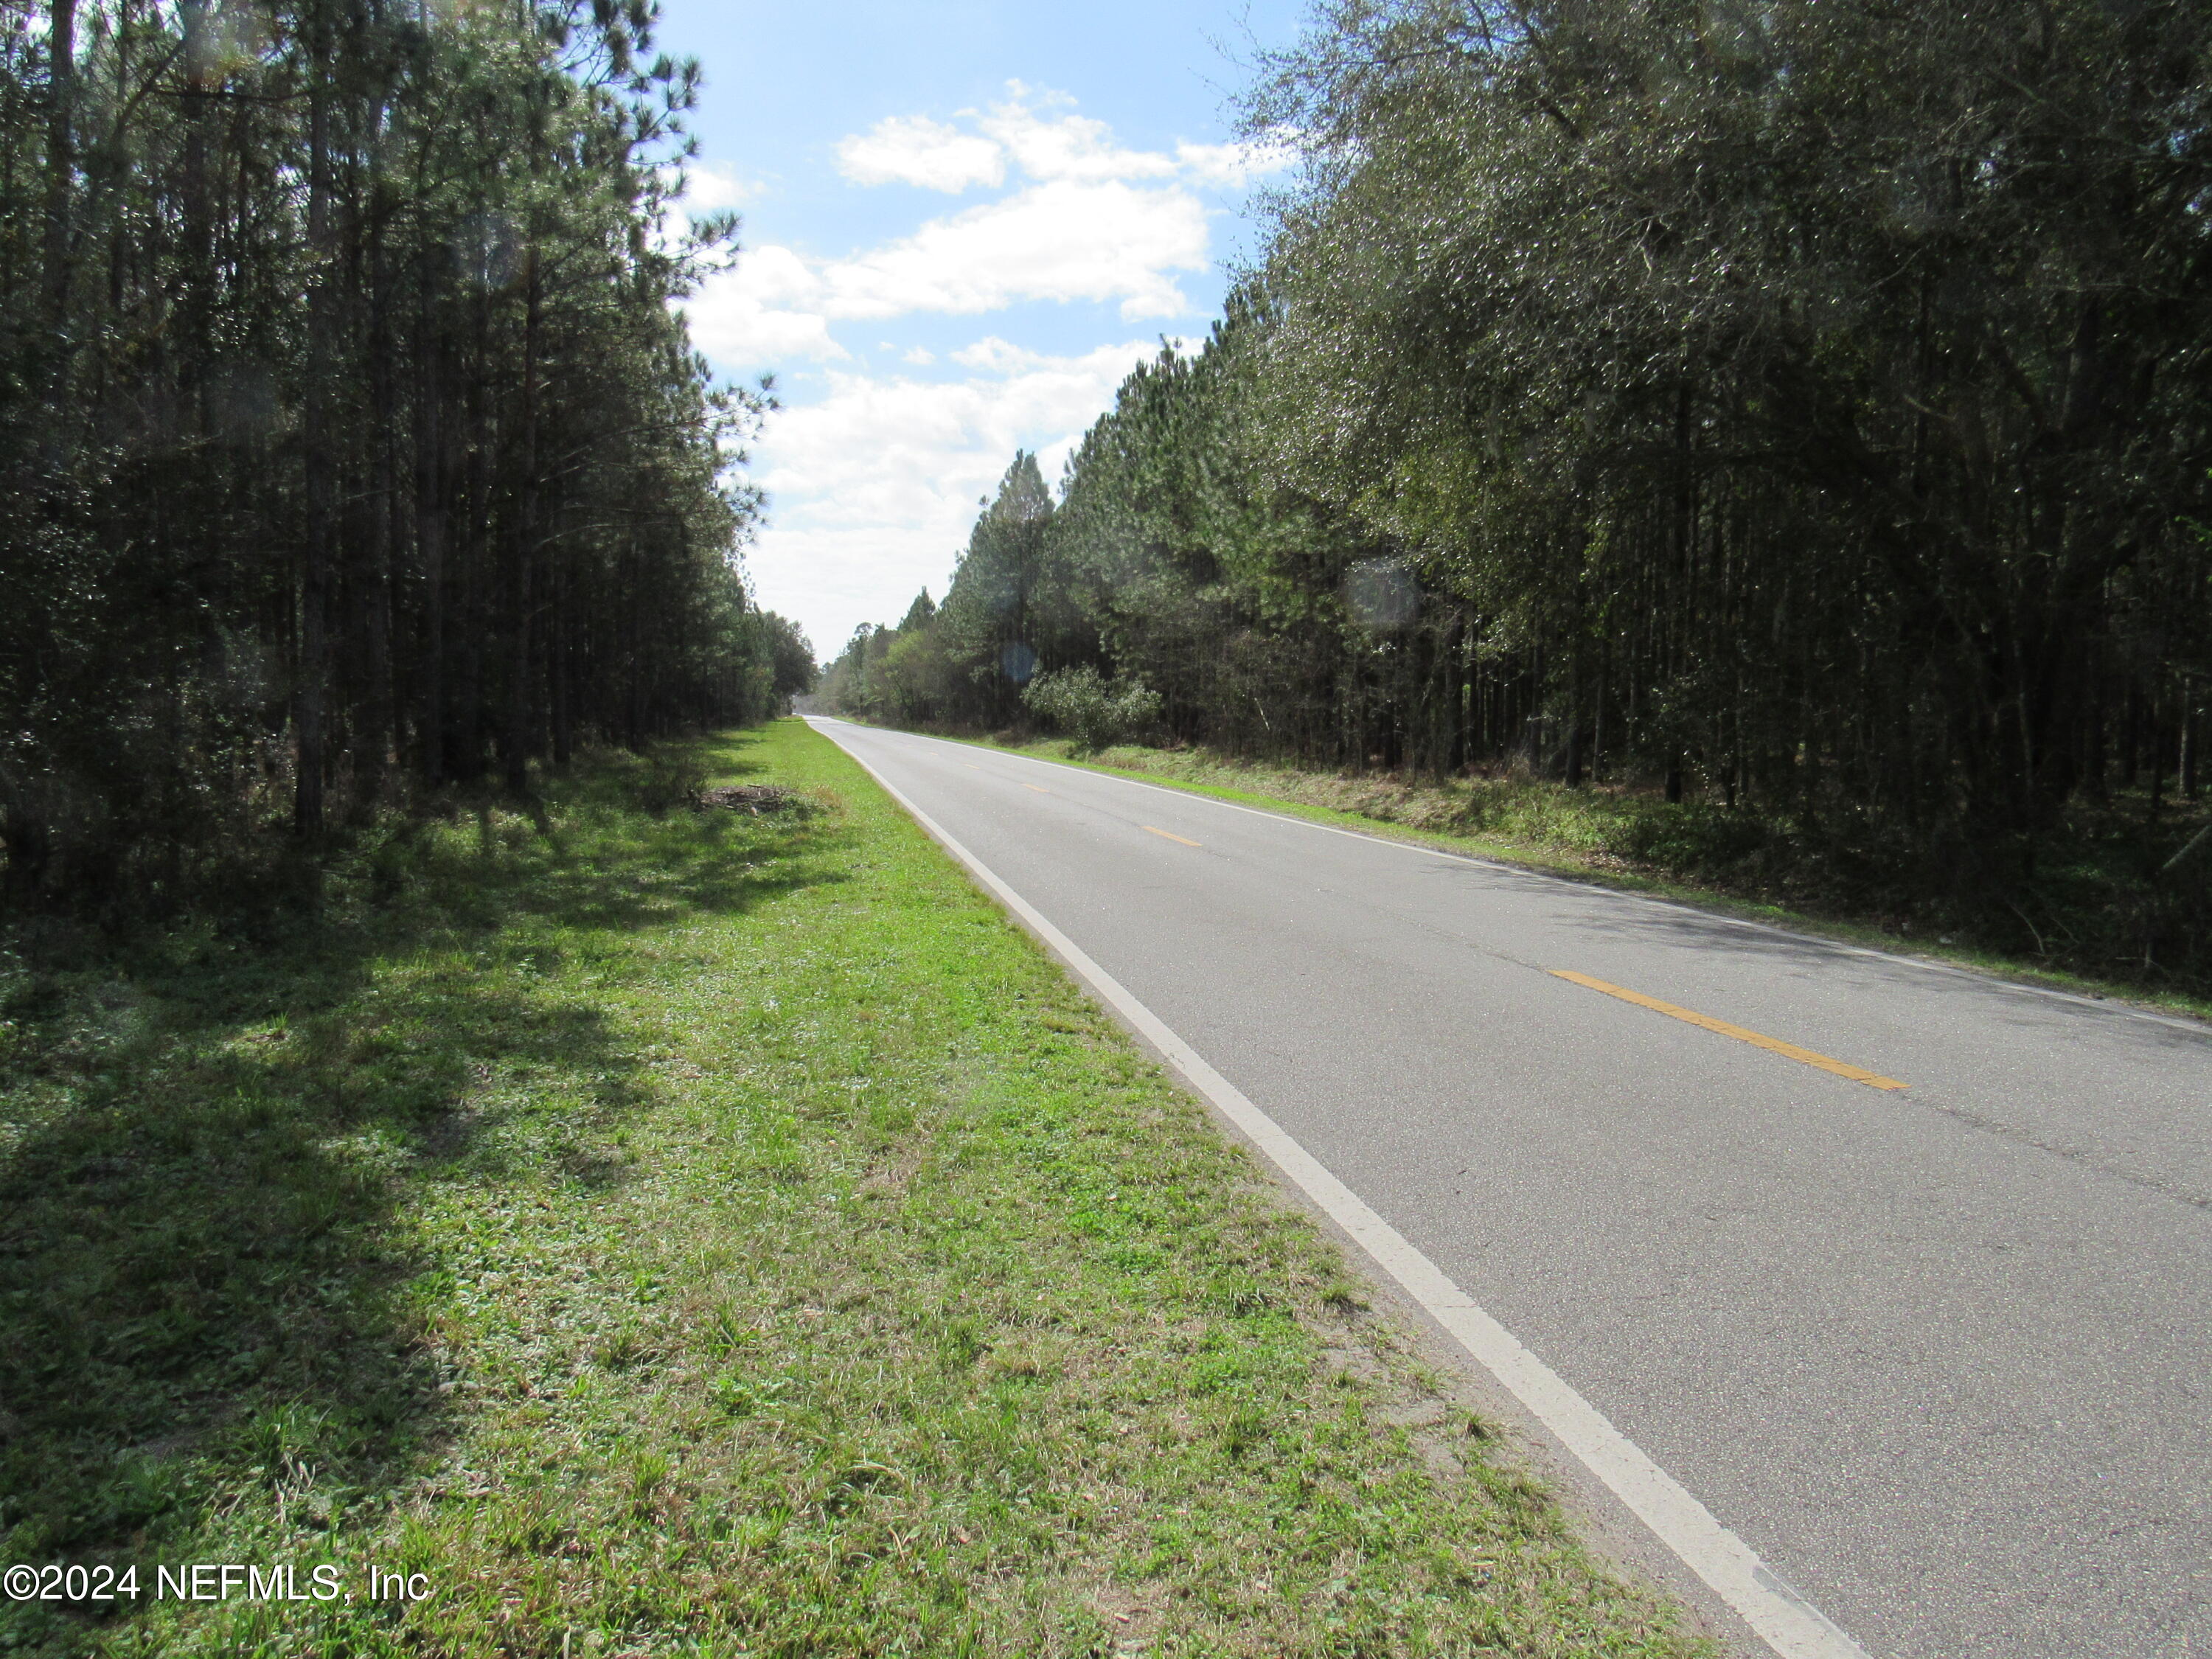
{"points": [[1773, 1045], [1185, 840], [1039, 788]]}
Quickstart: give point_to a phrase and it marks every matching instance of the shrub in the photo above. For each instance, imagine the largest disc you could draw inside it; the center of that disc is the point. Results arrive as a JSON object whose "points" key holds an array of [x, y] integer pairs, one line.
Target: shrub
{"points": [[1095, 712]]}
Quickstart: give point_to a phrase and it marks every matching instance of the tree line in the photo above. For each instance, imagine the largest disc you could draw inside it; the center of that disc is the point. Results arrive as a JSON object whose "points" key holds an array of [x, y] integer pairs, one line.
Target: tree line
{"points": [[348, 440], [1800, 410]]}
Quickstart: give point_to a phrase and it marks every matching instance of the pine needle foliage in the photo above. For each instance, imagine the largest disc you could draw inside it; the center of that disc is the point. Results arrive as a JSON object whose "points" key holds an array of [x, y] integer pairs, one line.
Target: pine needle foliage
{"points": [[347, 443]]}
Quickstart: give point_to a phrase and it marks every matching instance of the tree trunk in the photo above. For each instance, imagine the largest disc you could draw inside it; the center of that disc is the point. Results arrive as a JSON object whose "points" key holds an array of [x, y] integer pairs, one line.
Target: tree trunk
{"points": [[519, 679], [430, 531], [466, 756], [378, 738], [557, 648], [314, 576], [61, 185]]}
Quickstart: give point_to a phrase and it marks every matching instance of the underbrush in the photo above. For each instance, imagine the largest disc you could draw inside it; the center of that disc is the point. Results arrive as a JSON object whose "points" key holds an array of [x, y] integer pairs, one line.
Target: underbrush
{"points": [[649, 1227]]}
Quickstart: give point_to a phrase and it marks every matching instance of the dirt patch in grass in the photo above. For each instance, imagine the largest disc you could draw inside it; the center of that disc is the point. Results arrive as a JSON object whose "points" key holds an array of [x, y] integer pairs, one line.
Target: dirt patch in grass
{"points": [[754, 798]]}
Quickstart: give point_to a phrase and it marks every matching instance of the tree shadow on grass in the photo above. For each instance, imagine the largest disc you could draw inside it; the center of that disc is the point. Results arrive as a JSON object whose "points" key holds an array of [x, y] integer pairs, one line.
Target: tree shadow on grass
{"points": [[210, 1144]]}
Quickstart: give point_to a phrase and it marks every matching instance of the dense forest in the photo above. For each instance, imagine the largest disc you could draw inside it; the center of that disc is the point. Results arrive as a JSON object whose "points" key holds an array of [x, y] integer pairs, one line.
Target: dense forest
{"points": [[1801, 411], [348, 446]]}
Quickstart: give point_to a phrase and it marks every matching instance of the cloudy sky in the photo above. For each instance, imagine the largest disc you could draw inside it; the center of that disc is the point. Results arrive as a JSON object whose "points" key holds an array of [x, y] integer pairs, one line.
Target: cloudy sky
{"points": [[963, 223]]}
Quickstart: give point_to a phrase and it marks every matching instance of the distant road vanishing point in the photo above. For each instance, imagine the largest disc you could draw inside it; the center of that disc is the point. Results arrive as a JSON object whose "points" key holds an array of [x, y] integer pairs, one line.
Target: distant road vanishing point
{"points": [[1899, 1275]]}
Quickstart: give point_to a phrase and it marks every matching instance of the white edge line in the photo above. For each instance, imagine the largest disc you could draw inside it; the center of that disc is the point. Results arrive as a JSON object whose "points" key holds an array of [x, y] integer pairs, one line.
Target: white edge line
{"points": [[1785, 1620], [1841, 947]]}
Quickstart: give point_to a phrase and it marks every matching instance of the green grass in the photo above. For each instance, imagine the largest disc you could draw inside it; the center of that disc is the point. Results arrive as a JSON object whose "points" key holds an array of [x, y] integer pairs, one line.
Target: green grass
{"points": [[700, 1233], [2089, 898]]}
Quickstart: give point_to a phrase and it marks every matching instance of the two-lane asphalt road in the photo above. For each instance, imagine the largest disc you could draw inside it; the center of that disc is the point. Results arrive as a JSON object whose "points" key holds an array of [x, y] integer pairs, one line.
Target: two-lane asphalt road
{"points": [[1941, 1354]]}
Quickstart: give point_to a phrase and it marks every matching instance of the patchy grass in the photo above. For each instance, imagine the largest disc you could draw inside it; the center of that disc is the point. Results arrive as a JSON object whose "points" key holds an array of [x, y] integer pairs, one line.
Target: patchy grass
{"points": [[2088, 923], [671, 1230]]}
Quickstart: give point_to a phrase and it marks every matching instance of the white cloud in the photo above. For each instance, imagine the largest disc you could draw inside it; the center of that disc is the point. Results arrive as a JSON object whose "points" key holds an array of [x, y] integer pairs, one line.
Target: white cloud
{"points": [[758, 315], [874, 440], [996, 356], [1044, 145], [872, 478], [1096, 223], [873, 486], [777, 275], [713, 186], [1233, 166], [913, 149], [1066, 146], [1061, 241]]}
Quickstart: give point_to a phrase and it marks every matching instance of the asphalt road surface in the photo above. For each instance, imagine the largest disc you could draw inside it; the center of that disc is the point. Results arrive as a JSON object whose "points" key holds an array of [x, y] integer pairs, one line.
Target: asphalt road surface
{"points": [[1941, 1353]]}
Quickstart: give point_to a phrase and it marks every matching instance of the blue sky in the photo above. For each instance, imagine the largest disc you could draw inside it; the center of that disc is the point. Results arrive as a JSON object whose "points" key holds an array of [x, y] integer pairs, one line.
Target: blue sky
{"points": [[963, 223]]}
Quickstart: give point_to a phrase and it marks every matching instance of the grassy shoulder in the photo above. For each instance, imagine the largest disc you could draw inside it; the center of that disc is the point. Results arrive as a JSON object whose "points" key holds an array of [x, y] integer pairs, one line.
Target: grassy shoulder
{"points": [[1609, 837], [704, 1233]]}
